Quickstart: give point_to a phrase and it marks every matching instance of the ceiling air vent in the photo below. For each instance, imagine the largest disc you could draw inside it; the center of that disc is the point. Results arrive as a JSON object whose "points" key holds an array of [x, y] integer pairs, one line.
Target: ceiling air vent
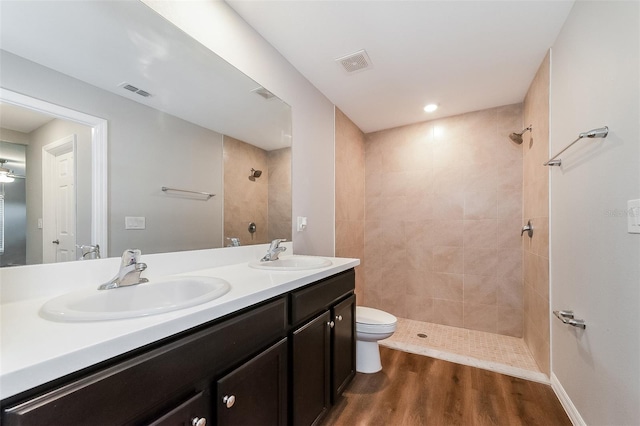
{"points": [[355, 62], [134, 89], [264, 93]]}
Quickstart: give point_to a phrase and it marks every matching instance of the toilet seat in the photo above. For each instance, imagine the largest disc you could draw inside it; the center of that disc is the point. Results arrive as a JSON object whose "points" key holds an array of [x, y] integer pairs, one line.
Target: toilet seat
{"points": [[376, 328], [374, 320]]}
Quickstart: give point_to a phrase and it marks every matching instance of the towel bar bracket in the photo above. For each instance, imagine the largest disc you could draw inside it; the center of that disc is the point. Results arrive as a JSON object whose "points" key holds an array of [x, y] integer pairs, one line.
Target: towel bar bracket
{"points": [[567, 317]]}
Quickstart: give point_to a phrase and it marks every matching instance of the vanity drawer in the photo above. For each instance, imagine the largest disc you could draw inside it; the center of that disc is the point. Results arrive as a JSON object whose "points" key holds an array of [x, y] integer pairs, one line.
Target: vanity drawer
{"points": [[135, 389], [311, 300]]}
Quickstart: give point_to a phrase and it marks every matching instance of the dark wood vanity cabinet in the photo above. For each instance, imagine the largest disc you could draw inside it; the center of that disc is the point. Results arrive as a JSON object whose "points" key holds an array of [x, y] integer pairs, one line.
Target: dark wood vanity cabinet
{"points": [[158, 386], [280, 362], [323, 348], [256, 392]]}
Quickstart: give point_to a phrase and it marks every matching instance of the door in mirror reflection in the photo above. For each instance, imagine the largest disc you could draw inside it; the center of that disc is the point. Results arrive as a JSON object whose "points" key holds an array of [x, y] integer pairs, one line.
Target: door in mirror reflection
{"points": [[48, 210], [59, 201]]}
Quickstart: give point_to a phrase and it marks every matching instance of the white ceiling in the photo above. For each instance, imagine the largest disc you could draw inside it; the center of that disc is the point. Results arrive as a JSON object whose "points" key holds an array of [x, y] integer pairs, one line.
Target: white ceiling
{"points": [[21, 119], [108, 43], [462, 55]]}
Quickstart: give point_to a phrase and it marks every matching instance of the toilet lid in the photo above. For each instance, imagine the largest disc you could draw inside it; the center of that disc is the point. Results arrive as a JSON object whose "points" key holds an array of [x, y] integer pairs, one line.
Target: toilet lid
{"points": [[366, 315]]}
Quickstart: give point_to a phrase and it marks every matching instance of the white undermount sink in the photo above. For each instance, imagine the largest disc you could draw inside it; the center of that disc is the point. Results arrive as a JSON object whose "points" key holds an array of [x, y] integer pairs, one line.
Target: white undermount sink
{"points": [[155, 297], [292, 263]]}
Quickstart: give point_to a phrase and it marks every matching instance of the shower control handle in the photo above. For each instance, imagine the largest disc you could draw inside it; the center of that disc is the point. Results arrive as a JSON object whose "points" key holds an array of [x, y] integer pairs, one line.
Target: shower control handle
{"points": [[528, 229]]}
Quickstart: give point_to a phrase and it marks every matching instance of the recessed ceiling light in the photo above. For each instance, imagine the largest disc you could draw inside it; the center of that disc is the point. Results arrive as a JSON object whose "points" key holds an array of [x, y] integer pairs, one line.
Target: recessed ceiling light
{"points": [[431, 108]]}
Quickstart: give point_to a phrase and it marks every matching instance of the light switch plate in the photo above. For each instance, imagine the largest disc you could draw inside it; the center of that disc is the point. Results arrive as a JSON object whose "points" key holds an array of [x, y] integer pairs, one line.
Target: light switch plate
{"points": [[134, 222], [302, 223], [633, 216]]}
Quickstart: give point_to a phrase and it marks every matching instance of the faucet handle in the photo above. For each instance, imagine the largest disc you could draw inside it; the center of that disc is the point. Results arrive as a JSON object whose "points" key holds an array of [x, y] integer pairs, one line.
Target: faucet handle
{"points": [[275, 243], [130, 257]]}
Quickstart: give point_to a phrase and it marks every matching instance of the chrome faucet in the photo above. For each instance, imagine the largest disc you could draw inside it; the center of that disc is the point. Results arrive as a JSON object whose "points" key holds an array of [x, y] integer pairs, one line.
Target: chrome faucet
{"points": [[130, 269], [233, 242], [89, 250], [274, 251]]}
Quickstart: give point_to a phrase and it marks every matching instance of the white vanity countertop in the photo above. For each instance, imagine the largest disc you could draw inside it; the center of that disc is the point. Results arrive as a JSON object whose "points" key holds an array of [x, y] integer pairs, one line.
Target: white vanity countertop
{"points": [[35, 351]]}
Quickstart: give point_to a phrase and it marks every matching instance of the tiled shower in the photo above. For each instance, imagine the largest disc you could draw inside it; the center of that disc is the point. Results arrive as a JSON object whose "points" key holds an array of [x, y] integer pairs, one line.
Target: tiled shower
{"points": [[435, 210]]}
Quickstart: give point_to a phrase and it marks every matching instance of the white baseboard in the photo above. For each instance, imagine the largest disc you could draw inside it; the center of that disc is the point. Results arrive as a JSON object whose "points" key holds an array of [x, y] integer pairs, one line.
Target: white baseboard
{"points": [[566, 402]]}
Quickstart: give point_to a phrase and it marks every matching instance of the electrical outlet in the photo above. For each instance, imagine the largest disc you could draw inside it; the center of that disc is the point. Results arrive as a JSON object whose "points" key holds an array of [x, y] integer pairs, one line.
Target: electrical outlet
{"points": [[134, 222]]}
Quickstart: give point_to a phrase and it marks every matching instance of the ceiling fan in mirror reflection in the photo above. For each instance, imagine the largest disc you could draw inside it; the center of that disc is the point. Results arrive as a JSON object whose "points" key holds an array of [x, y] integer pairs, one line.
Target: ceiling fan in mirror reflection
{"points": [[6, 174]]}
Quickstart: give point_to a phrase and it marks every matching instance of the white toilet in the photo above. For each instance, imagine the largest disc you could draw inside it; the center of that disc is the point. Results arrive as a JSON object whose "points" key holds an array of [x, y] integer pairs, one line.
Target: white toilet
{"points": [[371, 325]]}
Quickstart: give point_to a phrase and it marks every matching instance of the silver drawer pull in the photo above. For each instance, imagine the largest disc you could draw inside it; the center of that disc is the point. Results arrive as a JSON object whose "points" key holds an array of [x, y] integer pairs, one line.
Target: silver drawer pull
{"points": [[339, 317], [198, 421], [229, 400], [331, 324]]}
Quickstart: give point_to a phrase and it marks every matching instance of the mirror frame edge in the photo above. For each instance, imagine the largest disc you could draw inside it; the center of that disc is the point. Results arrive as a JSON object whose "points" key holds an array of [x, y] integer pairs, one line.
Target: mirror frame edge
{"points": [[99, 159]]}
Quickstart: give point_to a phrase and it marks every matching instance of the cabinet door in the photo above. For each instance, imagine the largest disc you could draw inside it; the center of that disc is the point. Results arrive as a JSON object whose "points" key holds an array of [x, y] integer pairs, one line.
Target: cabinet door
{"points": [[311, 370], [343, 354], [256, 392], [194, 412]]}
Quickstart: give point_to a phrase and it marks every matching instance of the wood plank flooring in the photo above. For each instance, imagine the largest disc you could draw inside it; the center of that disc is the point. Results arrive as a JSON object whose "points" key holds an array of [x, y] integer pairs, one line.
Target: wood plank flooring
{"points": [[418, 390]]}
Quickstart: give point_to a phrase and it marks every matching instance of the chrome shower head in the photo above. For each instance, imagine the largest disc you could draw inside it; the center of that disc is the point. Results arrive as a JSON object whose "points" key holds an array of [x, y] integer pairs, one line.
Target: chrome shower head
{"points": [[255, 174], [517, 137]]}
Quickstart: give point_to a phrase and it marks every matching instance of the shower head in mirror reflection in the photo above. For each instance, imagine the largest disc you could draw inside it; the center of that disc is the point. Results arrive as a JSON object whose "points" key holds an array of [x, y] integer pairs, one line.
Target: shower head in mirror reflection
{"points": [[255, 174], [517, 137]]}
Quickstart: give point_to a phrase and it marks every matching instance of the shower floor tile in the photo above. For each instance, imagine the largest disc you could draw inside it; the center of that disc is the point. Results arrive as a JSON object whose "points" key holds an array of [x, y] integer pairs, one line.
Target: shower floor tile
{"points": [[502, 354]]}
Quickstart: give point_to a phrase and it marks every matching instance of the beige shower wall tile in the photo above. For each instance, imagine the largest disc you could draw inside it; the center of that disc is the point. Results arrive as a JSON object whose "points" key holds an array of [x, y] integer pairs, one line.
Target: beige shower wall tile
{"points": [[448, 286], [480, 261], [509, 233], [510, 177], [510, 263], [449, 177], [481, 233], [510, 321], [448, 259], [349, 233], [480, 289], [448, 233], [419, 284], [418, 208], [480, 178], [419, 309], [510, 293], [420, 257], [481, 204], [447, 312], [447, 206], [481, 317], [510, 203]]}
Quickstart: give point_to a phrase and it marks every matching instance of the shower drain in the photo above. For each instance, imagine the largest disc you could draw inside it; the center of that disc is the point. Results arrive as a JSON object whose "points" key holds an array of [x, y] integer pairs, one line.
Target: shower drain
{"points": [[422, 335]]}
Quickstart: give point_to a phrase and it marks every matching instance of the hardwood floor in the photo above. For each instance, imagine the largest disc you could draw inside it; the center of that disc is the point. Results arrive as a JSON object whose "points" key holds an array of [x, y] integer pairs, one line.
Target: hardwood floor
{"points": [[417, 390]]}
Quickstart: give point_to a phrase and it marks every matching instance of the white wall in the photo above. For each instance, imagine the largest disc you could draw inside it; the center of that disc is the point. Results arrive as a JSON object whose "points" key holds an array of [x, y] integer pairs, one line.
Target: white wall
{"points": [[595, 263], [148, 149], [218, 27]]}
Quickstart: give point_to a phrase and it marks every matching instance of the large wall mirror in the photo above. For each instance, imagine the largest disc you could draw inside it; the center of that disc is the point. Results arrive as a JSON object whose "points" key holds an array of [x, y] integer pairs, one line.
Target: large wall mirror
{"points": [[195, 154]]}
